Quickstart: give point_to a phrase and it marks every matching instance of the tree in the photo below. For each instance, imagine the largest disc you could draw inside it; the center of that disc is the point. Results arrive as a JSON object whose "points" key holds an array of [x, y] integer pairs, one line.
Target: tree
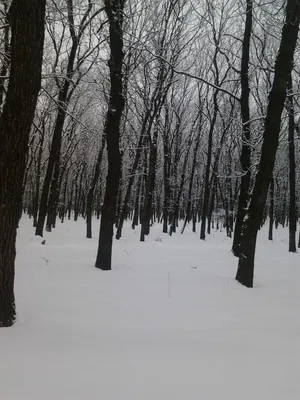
{"points": [[26, 18], [114, 10], [73, 73], [90, 196], [283, 68], [245, 114], [292, 170]]}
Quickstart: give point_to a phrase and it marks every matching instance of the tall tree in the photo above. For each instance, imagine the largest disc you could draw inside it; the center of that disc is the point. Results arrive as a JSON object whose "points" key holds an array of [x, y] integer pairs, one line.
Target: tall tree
{"points": [[115, 13], [283, 68], [245, 114], [26, 18], [292, 170]]}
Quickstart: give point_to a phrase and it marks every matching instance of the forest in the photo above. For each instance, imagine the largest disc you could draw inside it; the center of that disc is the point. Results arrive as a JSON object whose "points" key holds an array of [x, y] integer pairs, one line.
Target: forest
{"points": [[161, 112], [173, 120]]}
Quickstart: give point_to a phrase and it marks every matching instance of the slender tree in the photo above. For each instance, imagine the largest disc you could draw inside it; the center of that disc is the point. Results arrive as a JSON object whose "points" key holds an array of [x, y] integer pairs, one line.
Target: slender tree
{"points": [[292, 170], [271, 213], [245, 114], [90, 196], [66, 89]]}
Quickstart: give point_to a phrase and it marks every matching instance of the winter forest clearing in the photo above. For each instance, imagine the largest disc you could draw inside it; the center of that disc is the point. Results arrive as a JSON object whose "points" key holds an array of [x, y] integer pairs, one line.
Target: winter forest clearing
{"points": [[149, 199], [168, 322]]}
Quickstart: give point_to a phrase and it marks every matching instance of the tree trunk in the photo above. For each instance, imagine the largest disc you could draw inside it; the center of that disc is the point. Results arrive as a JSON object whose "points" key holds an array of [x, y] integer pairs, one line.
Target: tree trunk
{"points": [[90, 196], [148, 203], [131, 179], [53, 198], [53, 158], [277, 97], [292, 170], [27, 26], [167, 185], [212, 203], [38, 178], [180, 188], [64, 97], [135, 219], [246, 135], [205, 205], [114, 11], [271, 214], [191, 183]]}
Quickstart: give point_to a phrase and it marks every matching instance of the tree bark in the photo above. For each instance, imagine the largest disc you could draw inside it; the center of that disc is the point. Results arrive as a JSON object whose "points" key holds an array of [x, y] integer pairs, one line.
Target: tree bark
{"points": [[149, 194], [292, 170], [114, 11], [135, 219], [246, 135], [90, 196], [283, 68], [204, 213], [27, 26], [53, 198], [189, 213], [271, 213], [38, 177]]}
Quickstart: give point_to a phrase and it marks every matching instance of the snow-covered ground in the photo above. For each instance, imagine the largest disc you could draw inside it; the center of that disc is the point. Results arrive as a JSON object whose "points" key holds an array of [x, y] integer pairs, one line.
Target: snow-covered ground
{"points": [[168, 323]]}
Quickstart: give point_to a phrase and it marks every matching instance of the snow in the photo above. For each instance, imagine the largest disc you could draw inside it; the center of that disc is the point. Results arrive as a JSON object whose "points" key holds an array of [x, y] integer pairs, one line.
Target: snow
{"points": [[169, 322]]}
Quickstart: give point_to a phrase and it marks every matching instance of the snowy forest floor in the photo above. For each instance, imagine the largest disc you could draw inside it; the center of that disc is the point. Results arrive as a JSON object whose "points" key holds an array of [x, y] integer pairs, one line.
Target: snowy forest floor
{"points": [[169, 322]]}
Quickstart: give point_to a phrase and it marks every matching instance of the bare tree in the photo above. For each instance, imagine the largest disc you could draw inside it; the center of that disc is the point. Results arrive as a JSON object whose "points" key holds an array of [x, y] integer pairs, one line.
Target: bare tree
{"points": [[245, 114], [283, 67], [27, 38], [114, 10]]}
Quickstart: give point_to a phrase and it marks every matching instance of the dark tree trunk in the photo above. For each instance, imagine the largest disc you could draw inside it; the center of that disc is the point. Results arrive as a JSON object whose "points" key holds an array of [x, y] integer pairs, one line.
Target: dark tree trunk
{"points": [[194, 221], [119, 196], [205, 205], [212, 204], [292, 171], [64, 97], [135, 219], [131, 180], [27, 26], [64, 200], [70, 200], [38, 178], [53, 158], [277, 97], [180, 188], [90, 196], [229, 199], [52, 205], [78, 194], [99, 206], [271, 213], [175, 165], [149, 195], [114, 11], [191, 183], [167, 168], [143, 194], [246, 135]]}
